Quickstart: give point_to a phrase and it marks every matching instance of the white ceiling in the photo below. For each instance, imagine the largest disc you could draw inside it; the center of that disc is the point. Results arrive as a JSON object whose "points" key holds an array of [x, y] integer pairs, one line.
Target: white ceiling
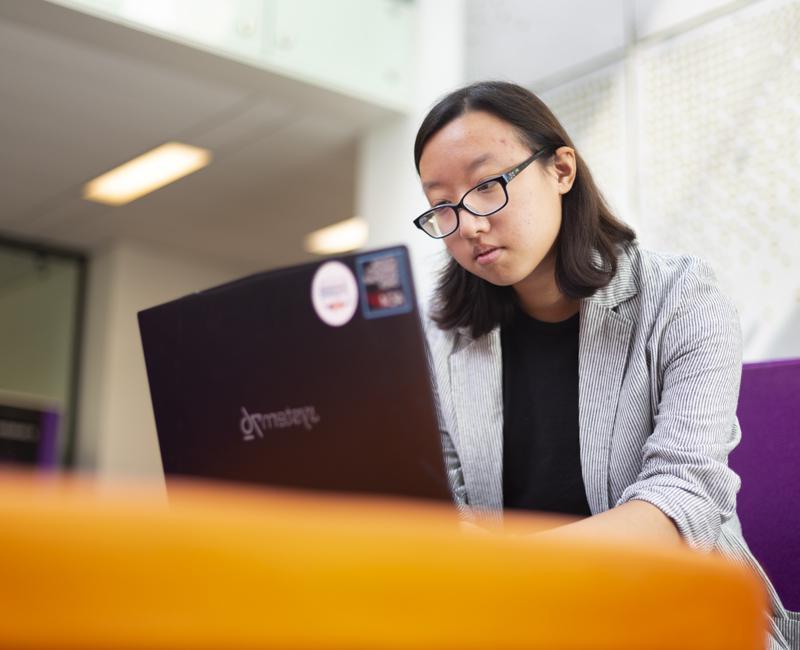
{"points": [[79, 95]]}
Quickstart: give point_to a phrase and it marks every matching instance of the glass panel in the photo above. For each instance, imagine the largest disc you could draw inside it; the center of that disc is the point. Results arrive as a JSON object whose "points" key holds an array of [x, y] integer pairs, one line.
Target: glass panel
{"points": [[361, 47], [39, 302]]}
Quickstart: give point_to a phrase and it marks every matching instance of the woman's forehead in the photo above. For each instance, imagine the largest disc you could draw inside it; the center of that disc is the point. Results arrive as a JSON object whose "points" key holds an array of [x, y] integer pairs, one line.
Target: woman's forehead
{"points": [[474, 127], [467, 141]]}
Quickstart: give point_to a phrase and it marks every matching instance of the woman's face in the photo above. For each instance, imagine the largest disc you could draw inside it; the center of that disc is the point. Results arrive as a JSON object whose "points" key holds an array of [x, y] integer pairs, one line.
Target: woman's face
{"points": [[511, 245]]}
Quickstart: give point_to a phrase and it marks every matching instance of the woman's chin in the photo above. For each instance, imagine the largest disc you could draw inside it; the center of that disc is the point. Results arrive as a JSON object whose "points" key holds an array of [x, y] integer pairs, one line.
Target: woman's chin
{"points": [[497, 277]]}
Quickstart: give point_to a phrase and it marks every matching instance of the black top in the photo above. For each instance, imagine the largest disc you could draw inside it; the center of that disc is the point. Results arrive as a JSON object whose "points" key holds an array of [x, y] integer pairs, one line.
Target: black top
{"points": [[541, 451]]}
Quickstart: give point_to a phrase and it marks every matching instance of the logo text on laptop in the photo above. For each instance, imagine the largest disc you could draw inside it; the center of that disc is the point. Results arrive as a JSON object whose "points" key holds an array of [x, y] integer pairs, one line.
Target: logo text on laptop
{"points": [[254, 425]]}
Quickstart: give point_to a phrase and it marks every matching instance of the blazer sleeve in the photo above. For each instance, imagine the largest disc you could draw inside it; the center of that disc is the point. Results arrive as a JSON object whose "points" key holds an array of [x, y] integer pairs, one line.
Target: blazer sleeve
{"points": [[684, 461]]}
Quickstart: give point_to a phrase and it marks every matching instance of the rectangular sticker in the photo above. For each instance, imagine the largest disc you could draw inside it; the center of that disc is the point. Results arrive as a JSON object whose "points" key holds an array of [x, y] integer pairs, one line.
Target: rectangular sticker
{"points": [[384, 285]]}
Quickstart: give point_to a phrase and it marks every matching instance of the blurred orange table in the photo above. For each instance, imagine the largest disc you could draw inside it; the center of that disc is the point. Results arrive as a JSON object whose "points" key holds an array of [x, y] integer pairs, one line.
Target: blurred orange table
{"points": [[221, 567]]}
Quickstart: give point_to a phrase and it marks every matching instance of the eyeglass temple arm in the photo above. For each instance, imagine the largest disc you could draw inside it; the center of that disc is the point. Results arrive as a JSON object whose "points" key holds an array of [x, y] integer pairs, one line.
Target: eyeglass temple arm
{"points": [[519, 168]]}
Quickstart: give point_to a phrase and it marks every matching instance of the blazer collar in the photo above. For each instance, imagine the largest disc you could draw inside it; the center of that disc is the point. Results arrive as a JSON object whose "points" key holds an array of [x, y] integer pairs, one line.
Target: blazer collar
{"points": [[623, 285]]}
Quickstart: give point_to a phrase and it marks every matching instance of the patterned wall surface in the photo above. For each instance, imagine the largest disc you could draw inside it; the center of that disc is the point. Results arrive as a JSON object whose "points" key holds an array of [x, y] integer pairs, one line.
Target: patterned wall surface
{"points": [[592, 110], [696, 139]]}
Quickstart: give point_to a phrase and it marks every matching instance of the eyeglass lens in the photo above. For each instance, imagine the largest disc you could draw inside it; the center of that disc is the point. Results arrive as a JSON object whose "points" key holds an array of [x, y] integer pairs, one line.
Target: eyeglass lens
{"points": [[484, 199]]}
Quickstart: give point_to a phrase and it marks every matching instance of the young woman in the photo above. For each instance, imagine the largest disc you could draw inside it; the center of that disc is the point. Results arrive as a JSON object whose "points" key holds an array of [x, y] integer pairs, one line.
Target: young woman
{"points": [[575, 372]]}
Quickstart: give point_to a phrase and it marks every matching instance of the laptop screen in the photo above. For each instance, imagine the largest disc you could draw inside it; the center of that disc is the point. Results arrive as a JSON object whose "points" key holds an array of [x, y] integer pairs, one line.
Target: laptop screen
{"points": [[313, 376]]}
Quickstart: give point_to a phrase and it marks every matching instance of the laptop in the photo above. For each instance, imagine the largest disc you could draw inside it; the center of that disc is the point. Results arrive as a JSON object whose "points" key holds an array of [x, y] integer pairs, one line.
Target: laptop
{"points": [[313, 377]]}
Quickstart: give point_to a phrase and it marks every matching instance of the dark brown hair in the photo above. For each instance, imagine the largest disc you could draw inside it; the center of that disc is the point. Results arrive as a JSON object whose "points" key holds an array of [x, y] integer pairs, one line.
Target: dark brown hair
{"points": [[590, 236]]}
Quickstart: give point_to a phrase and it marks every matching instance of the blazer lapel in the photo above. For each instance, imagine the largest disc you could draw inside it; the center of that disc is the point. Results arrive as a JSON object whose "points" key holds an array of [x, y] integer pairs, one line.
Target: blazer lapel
{"points": [[477, 383], [605, 337]]}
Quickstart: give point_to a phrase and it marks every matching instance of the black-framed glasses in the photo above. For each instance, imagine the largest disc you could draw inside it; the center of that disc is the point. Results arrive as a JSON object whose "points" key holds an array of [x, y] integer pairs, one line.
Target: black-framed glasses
{"points": [[483, 200]]}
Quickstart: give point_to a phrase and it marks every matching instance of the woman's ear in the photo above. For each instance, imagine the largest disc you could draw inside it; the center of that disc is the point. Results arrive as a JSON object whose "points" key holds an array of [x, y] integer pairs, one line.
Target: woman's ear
{"points": [[565, 165]]}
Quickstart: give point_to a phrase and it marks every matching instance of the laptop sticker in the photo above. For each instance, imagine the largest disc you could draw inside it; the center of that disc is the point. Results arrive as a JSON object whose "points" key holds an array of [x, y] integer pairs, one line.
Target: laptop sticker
{"points": [[334, 294], [384, 284]]}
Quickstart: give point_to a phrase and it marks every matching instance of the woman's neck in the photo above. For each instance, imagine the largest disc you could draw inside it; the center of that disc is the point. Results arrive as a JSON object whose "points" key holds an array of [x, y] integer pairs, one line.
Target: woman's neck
{"points": [[539, 295]]}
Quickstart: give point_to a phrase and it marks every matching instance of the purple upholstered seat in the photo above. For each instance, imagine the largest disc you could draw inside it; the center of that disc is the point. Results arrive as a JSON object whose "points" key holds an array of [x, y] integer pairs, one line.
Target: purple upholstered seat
{"points": [[768, 460]]}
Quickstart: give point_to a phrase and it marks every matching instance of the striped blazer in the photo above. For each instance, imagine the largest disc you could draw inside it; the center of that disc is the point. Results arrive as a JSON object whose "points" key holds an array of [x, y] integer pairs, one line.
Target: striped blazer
{"points": [[659, 369]]}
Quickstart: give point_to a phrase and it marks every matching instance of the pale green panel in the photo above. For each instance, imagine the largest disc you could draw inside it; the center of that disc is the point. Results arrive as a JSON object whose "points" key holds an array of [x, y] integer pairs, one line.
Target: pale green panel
{"points": [[38, 299], [364, 48], [233, 27]]}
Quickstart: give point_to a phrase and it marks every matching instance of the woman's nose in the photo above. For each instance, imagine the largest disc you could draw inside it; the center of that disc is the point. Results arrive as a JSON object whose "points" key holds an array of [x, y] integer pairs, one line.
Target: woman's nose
{"points": [[469, 225]]}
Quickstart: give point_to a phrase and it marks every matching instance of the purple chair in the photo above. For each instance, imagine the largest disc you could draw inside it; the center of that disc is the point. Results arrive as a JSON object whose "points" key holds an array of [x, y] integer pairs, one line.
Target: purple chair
{"points": [[48, 439], [29, 435], [768, 460]]}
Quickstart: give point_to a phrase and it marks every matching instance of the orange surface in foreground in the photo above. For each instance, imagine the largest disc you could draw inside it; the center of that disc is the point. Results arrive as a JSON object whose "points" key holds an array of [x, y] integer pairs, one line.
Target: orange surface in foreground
{"points": [[223, 567]]}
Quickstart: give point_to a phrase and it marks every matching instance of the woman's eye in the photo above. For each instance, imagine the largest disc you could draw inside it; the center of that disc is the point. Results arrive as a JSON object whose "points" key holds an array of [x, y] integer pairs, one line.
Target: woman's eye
{"points": [[488, 186]]}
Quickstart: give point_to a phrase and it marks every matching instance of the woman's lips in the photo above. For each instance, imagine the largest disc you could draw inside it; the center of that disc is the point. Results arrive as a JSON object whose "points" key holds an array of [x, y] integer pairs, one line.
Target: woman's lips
{"points": [[488, 256]]}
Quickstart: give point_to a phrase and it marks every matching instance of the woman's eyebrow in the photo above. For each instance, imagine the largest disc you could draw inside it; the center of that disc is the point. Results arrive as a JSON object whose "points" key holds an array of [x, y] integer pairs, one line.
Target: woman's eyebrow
{"points": [[480, 160], [471, 167]]}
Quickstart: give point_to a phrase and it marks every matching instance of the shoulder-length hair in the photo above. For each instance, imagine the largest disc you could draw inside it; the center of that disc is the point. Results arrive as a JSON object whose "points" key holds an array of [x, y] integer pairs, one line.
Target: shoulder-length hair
{"points": [[590, 236]]}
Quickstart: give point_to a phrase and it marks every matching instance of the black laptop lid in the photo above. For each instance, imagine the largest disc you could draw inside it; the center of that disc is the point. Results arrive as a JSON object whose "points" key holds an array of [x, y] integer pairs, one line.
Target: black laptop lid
{"points": [[313, 376]]}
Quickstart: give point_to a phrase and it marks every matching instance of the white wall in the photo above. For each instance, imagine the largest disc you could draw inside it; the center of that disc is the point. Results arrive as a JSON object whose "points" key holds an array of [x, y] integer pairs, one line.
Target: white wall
{"points": [[526, 41], [116, 429], [388, 194]]}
